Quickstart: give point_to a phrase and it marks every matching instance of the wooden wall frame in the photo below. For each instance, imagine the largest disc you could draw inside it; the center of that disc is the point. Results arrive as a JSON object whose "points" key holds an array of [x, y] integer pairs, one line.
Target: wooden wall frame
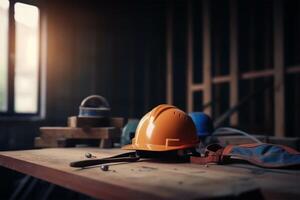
{"points": [[278, 72], [169, 53]]}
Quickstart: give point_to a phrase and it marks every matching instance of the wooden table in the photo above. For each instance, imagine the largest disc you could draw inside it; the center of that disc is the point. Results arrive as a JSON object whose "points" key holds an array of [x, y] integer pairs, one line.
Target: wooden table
{"points": [[152, 180]]}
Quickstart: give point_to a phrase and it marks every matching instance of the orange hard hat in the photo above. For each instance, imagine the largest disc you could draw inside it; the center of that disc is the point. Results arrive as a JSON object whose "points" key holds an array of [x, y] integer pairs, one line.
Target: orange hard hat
{"points": [[164, 128]]}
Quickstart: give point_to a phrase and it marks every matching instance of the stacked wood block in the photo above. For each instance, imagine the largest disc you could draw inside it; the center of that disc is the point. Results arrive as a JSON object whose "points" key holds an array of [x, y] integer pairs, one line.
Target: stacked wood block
{"points": [[82, 130]]}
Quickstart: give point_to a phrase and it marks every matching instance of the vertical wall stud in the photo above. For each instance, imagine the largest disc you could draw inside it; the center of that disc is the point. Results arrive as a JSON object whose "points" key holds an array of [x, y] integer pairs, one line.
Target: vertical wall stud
{"points": [[207, 79], [252, 59], [169, 39], [11, 61], [268, 51], [279, 86], [233, 60], [218, 68], [190, 56]]}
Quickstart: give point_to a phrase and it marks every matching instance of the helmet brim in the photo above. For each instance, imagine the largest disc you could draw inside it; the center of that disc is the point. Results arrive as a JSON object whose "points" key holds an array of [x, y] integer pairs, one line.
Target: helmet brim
{"points": [[151, 147]]}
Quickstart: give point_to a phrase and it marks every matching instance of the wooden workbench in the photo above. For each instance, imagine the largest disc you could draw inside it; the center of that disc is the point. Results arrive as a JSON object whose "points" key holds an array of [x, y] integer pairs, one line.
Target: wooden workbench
{"points": [[152, 180]]}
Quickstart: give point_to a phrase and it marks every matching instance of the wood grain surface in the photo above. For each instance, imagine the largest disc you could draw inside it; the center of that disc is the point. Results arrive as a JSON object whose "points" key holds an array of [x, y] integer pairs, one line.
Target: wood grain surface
{"points": [[148, 179], [50, 135]]}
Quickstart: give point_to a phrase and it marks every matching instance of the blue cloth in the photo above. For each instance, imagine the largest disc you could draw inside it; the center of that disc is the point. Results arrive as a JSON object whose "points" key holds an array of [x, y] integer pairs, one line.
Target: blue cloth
{"points": [[266, 155]]}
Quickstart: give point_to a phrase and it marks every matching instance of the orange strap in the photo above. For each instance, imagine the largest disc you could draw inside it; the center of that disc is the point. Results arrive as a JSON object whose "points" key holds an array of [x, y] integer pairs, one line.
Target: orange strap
{"points": [[210, 157]]}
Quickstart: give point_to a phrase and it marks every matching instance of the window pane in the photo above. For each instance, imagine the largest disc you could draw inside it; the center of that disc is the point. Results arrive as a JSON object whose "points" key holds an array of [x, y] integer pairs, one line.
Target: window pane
{"points": [[4, 5], [27, 58]]}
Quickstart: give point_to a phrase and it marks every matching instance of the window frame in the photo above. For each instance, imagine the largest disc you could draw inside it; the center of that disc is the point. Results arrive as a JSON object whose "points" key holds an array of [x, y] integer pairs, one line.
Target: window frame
{"points": [[10, 114]]}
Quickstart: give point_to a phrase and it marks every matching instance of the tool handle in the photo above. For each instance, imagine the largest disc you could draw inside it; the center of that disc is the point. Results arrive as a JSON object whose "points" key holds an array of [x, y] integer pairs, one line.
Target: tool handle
{"points": [[91, 162]]}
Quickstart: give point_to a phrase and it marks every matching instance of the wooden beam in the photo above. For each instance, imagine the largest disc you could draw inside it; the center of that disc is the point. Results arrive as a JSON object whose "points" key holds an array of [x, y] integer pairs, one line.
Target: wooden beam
{"points": [[246, 76], [233, 60], [257, 74], [190, 56], [43, 65], [279, 86], [207, 79], [296, 99], [254, 74], [220, 79], [76, 121], [251, 111], [79, 133], [268, 52], [217, 60], [293, 70], [11, 61], [197, 87], [169, 39]]}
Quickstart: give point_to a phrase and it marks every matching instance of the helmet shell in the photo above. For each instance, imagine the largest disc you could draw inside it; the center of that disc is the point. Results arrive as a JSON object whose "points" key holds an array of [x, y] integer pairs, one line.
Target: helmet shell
{"points": [[164, 128]]}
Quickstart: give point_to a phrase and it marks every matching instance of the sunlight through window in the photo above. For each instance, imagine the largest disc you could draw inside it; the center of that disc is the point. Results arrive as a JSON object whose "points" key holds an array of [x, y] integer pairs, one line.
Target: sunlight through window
{"points": [[27, 58], [4, 6]]}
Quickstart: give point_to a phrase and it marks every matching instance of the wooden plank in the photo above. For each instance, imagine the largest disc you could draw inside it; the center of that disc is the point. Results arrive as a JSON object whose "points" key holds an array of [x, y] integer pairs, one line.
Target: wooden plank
{"points": [[40, 143], [220, 79], [151, 180], [43, 65], [233, 61], [197, 87], [207, 75], [296, 115], [107, 143], [246, 76], [61, 174], [217, 68], [80, 133], [293, 70], [190, 57], [268, 63], [76, 121], [169, 40], [118, 122], [11, 61], [70, 142], [57, 136], [251, 111], [257, 74], [279, 85]]}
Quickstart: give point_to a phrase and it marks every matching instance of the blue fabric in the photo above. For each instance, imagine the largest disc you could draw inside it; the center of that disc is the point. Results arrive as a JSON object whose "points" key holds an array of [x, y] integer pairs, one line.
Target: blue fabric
{"points": [[267, 155]]}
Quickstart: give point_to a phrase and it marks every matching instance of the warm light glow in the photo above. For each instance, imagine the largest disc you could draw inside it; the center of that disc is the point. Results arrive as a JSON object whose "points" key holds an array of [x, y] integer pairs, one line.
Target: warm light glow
{"points": [[27, 58], [4, 4], [32, 51], [27, 14]]}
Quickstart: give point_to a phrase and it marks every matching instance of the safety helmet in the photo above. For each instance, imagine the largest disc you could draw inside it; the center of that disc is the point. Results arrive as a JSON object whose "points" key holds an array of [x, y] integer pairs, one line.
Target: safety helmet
{"points": [[128, 131], [203, 123], [164, 128]]}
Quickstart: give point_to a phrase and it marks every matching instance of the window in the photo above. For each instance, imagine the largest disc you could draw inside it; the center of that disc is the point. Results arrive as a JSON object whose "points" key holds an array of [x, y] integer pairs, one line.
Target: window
{"points": [[4, 6], [19, 59]]}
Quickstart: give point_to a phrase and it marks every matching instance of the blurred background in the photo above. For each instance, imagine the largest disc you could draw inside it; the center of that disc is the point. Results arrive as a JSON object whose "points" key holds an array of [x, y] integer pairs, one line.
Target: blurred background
{"points": [[232, 56]]}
